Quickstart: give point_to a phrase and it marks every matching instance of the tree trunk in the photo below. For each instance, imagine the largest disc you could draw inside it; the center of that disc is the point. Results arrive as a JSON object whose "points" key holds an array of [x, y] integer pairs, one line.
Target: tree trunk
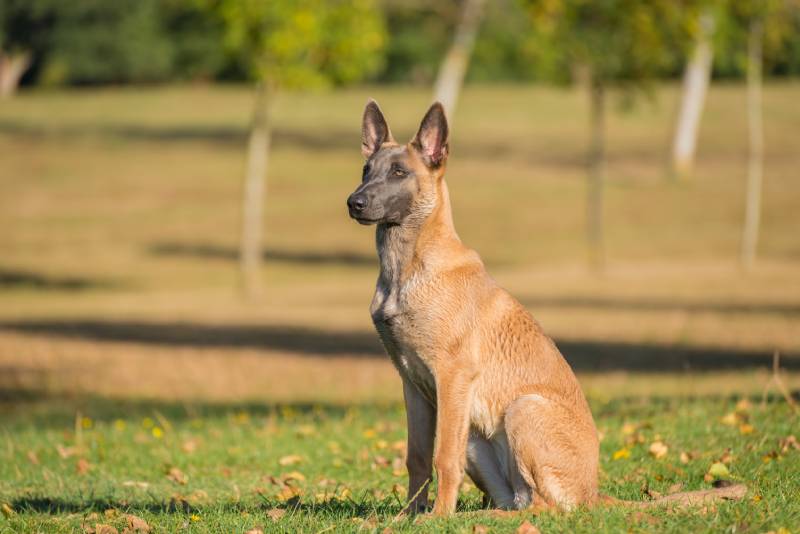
{"points": [[454, 67], [596, 175], [12, 66], [254, 194], [755, 169], [695, 83]]}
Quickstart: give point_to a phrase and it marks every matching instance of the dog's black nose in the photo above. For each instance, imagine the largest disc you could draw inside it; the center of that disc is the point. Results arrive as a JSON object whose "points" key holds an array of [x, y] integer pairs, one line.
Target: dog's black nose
{"points": [[357, 202]]}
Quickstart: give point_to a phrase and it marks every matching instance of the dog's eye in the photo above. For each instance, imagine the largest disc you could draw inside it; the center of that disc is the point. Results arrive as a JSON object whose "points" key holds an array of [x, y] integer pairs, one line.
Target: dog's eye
{"points": [[397, 172]]}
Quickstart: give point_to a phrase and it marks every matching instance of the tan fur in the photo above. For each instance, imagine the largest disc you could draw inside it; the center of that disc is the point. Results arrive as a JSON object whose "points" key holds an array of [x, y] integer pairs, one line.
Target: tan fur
{"points": [[478, 372]]}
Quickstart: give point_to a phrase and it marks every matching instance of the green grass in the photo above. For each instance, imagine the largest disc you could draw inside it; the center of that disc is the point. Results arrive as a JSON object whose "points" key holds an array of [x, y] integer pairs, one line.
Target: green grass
{"points": [[119, 223], [351, 473]]}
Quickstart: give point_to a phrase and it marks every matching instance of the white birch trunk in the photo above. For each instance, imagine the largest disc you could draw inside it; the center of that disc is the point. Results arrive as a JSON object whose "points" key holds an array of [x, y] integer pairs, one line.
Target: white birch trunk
{"points": [[254, 195], [696, 78], [755, 168], [454, 66], [12, 66]]}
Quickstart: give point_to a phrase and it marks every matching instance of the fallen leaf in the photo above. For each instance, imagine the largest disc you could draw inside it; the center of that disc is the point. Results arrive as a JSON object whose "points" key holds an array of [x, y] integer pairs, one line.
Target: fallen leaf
{"points": [[480, 529], [719, 470], [727, 456], [137, 524], [293, 475], [527, 528], [730, 419], [743, 406], [290, 459], [276, 514], [746, 428], [82, 466], [189, 446], [684, 458], [177, 476], [66, 452], [33, 458], [381, 461], [104, 529], [255, 530], [658, 449], [7, 510], [787, 443], [624, 452], [387, 530]]}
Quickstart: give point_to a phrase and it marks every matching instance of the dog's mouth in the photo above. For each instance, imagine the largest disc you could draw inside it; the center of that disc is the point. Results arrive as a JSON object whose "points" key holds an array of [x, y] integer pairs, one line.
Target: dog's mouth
{"points": [[364, 220]]}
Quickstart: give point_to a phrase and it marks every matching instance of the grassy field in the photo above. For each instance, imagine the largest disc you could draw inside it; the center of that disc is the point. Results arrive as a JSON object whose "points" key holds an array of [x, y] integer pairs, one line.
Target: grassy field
{"points": [[126, 348]]}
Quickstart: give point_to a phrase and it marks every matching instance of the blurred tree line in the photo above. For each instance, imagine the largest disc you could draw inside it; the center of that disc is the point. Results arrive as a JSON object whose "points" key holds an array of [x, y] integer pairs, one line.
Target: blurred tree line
{"points": [[140, 41]]}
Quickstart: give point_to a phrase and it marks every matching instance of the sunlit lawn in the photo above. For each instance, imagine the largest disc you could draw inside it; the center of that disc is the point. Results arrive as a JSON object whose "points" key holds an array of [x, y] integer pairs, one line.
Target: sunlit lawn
{"points": [[306, 468], [119, 224]]}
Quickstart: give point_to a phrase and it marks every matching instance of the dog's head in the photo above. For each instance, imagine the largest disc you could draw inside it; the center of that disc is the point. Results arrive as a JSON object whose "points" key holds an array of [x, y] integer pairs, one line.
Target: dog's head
{"points": [[399, 182]]}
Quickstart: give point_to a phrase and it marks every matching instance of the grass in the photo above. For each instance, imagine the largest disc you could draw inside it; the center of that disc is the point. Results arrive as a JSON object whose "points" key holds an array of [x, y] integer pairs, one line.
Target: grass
{"points": [[339, 468], [119, 301]]}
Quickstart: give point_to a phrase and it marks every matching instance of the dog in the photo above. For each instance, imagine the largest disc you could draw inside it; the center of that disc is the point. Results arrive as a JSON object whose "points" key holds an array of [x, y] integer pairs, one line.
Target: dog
{"points": [[485, 390]]}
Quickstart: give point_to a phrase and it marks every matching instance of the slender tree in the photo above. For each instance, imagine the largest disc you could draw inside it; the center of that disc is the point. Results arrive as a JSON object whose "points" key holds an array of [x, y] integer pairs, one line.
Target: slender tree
{"points": [[759, 29], [454, 66], [624, 43], [24, 27], [291, 44]]}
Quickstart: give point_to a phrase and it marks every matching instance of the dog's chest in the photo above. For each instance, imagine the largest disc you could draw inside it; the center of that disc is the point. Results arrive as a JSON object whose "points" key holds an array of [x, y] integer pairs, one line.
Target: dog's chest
{"points": [[403, 341]]}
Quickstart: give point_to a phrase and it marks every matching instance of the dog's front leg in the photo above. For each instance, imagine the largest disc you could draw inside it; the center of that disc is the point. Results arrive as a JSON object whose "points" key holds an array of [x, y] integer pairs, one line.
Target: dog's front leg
{"points": [[421, 418], [453, 399]]}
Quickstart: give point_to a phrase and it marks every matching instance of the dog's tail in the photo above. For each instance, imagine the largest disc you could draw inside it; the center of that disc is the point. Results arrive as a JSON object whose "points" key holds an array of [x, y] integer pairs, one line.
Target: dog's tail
{"points": [[728, 492]]}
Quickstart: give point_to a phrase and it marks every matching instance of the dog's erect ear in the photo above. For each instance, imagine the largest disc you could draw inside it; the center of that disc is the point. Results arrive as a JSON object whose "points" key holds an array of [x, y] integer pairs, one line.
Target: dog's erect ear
{"points": [[431, 139], [374, 130]]}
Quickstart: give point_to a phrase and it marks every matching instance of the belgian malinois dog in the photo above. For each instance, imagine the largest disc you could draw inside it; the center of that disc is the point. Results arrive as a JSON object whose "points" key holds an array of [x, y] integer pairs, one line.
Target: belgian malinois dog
{"points": [[485, 389]]}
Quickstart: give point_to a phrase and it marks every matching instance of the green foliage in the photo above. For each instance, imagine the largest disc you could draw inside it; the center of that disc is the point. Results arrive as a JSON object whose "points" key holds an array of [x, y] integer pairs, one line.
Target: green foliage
{"points": [[99, 41], [304, 43], [780, 21], [624, 41]]}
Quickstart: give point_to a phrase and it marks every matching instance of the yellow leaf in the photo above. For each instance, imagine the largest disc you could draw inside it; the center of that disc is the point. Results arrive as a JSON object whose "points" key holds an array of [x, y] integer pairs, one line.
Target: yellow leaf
{"points": [[718, 470], [745, 428], [730, 419], [622, 453], [7, 510]]}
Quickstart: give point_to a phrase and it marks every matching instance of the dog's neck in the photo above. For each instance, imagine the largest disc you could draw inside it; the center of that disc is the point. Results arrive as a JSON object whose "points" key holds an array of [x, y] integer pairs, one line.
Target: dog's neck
{"points": [[407, 248]]}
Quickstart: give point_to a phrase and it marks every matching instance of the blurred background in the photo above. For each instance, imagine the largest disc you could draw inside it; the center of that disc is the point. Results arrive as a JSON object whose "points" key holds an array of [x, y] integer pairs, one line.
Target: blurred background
{"points": [[174, 175]]}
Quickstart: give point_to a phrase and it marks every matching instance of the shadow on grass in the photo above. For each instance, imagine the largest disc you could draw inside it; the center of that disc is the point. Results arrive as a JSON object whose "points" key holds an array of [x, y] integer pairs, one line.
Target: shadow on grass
{"points": [[315, 139], [229, 253], [342, 508], [583, 355], [663, 305], [23, 279]]}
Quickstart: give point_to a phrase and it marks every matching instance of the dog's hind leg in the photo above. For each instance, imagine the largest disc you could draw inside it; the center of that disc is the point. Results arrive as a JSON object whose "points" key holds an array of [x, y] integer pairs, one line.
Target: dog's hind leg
{"points": [[556, 450], [486, 471]]}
